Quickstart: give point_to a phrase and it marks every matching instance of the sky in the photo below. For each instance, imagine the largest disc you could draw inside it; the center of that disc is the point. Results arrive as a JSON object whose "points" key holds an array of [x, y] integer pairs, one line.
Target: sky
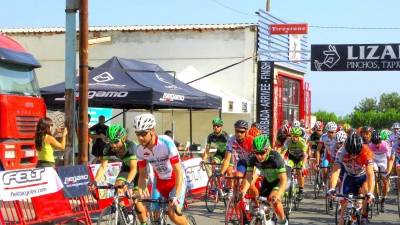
{"points": [[335, 92]]}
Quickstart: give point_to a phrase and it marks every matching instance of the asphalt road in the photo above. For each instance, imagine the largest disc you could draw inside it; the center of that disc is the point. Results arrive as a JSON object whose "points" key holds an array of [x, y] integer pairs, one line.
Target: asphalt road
{"points": [[311, 212]]}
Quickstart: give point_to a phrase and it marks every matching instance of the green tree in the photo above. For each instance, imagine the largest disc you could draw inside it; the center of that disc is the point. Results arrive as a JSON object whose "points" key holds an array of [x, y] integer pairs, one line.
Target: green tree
{"points": [[389, 101], [366, 104], [325, 116]]}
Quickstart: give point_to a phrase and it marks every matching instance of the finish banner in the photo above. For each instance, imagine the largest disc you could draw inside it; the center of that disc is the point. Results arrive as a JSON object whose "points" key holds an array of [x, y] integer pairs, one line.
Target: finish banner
{"points": [[264, 104], [23, 184], [358, 57], [75, 180]]}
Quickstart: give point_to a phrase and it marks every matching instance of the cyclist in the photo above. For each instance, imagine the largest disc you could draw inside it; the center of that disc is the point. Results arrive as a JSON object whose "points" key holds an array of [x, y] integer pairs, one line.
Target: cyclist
{"points": [[383, 161], [304, 133], [314, 138], [365, 133], [271, 166], [393, 137], [296, 147], [217, 139], [161, 153], [118, 146], [254, 131], [326, 147], [283, 134], [357, 161]]}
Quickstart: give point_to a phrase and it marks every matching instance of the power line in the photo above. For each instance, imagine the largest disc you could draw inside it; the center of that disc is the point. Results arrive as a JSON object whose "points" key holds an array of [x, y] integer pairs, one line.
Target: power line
{"points": [[232, 9], [355, 28]]}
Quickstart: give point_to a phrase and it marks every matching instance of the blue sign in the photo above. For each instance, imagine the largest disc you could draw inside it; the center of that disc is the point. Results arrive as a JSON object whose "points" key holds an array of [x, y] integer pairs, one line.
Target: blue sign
{"points": [[75, 180], [96, 112]]}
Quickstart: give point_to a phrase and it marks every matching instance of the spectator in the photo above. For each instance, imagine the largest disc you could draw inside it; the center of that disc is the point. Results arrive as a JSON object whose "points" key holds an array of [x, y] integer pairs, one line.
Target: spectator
{"points": [[44, 142], [170, 134], [98, 133]]}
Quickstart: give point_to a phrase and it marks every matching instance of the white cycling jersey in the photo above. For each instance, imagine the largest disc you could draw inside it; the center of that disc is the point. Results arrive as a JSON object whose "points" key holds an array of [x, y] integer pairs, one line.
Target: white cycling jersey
{"points": [[161, 157], [329, 144]]}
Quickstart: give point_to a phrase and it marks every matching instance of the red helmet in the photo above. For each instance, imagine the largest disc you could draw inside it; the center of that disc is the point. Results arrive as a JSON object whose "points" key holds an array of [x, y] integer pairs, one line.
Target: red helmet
{"points": [[318, 126]]}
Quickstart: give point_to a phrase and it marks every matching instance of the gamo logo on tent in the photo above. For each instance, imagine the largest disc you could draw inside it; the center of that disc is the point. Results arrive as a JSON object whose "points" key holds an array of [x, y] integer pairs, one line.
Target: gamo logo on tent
{"points": [[172, 97], [104, 77], [107, 94]]}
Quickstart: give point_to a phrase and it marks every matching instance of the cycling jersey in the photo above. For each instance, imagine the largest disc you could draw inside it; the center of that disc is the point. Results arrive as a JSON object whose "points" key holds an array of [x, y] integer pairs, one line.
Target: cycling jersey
{"points": [[163, 155], [314, 140], [270, 168], [330, 148], [381, 155], [355, 166], [242, 150], [128, 154], [393, 138], [218, 141]]}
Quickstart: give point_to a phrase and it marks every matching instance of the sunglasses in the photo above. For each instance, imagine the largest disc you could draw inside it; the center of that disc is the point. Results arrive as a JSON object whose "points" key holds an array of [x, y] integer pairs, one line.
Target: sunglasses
{"points": [[260, 153], [141, 133], [331, 132], [319, 130], [240, 131], [217, 126]]}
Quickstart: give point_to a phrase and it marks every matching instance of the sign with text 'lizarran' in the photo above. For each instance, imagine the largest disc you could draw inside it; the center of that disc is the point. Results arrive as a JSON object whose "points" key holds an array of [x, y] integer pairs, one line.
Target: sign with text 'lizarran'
{"points": [[355, 57]]}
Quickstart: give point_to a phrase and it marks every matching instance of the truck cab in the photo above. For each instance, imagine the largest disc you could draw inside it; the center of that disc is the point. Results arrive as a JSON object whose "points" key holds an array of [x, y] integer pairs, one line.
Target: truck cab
{"points": [[21, 105]]}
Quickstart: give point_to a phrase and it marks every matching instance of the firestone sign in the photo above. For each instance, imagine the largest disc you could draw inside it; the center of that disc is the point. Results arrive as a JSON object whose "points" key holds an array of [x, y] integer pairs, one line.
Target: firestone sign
{"points": [[297, 28], [358, 57]]}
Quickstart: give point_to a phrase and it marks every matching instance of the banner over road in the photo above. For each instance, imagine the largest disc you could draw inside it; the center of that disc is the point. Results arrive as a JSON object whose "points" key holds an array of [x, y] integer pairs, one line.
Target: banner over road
{"points": [[357, 57]]}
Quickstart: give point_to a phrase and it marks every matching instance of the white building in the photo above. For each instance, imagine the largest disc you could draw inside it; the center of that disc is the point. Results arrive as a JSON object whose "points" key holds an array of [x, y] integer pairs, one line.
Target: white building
{"points": [[190, 50]]}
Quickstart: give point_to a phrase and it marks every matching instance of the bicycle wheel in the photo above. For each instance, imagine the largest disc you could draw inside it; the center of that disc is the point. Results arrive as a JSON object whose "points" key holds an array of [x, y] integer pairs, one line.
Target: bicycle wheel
{"points": [[112, 215], [233, 214], [256, 221], [337, 212], [212, 196], [296, 201], [317, 185], [398, 196], [191, 220]]}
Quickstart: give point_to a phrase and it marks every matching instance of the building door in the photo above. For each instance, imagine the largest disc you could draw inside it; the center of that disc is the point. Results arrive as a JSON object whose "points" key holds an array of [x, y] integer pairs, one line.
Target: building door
{"points": [[289, 106]]}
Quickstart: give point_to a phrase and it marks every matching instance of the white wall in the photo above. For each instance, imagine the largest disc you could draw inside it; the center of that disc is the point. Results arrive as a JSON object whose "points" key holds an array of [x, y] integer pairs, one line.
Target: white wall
{"points": [[207, 51]]}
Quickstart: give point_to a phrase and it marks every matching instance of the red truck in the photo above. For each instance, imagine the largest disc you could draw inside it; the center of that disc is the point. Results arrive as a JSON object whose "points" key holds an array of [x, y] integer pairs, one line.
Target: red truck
{"points": [[21, 105]]}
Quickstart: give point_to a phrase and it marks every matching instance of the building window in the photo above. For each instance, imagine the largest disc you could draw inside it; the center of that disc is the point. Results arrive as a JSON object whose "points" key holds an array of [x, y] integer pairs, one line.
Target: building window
{"points": [[290, 99], [244, 107], [230, 106]]}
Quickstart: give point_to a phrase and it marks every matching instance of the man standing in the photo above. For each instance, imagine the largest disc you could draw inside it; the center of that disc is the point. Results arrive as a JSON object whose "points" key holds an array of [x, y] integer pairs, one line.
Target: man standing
{"points": [[98, 133]]}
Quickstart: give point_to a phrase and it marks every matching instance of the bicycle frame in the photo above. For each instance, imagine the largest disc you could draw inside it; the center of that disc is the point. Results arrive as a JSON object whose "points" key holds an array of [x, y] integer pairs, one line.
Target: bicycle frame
{"points": [[353, 208]]}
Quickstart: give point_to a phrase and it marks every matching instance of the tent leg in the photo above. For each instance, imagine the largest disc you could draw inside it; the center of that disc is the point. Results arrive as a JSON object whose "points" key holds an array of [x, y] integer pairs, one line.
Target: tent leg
{"points": [[220, 113], [124, 118], [190, 126]]}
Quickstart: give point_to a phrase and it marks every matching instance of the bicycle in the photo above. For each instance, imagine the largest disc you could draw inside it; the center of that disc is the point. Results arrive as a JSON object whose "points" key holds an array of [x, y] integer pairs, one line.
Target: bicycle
{"points": [[397, 178], [121, 211], [162, 214], [378, 191], [291, 196], [353, 209], [263, 215], [215, 190], [318, 183], [236, 212]]}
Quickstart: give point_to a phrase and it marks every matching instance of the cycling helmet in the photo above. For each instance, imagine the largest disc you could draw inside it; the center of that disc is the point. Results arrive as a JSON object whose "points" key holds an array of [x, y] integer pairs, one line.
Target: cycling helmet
{"points": [[384, 134], [375, 137], [260, 143], [144, 122], [217, 121], [296, 131], [354, 144], [341, 136], [296, 123], [241, 124], [286, 129], [396, 125], [115, 133], [318, 126], [331, 126]]}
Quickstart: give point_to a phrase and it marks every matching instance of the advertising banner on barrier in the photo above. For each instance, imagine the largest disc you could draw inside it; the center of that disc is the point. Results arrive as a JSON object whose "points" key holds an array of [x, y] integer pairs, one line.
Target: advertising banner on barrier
{"points": [[196, 177], [265, 84], [23, 184], [75, 180], [355, 57], [110, 176]]}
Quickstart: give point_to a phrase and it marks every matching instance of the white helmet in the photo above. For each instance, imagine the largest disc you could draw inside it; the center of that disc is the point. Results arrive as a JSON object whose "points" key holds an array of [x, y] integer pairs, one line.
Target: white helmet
{"points": [[341, 136], [296, 123], [331, 126], [396, 125], [144, 122]]}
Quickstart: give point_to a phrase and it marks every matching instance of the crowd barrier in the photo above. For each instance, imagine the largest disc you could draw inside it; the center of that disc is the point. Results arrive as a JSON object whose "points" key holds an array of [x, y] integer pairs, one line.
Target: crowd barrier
{"points": [[59, 196]]}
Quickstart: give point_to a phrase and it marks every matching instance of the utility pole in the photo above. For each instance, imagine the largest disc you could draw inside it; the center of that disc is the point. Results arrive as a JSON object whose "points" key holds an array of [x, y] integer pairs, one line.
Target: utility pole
{"points": [[268, 6], [83, 81], [71, 8]]}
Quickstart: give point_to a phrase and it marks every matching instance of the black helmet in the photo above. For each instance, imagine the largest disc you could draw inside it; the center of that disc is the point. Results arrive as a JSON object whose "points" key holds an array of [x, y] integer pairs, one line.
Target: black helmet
{"points": [[354, 144], [241, 124], [375, 137]]}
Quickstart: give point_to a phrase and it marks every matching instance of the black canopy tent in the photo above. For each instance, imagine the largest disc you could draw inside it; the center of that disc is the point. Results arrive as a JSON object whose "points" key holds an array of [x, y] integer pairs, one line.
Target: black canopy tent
{"points": [[130, 84]]}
